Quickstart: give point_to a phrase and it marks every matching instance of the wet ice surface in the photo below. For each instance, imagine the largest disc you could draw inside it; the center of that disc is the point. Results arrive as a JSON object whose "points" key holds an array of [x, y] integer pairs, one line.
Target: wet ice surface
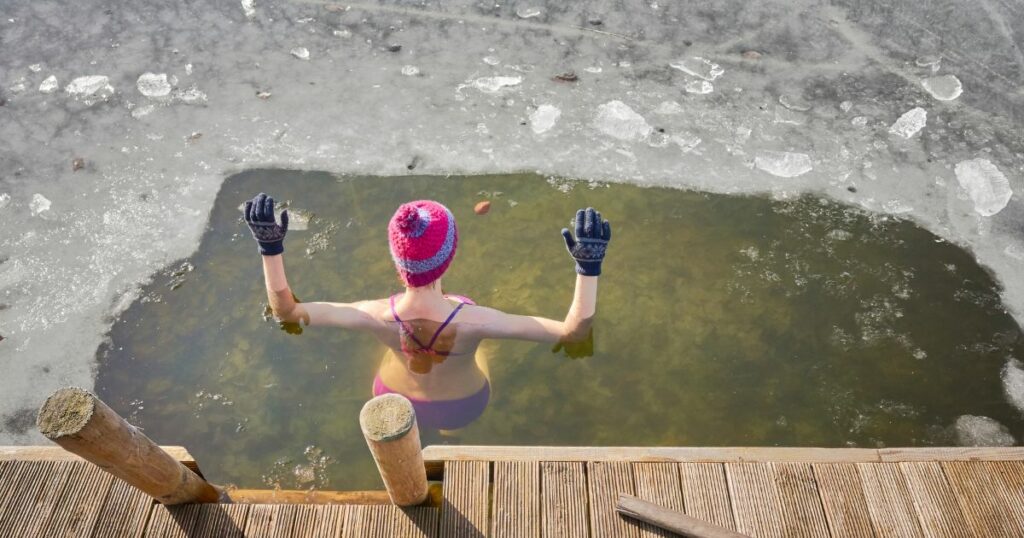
{"points": [[70, 269]]}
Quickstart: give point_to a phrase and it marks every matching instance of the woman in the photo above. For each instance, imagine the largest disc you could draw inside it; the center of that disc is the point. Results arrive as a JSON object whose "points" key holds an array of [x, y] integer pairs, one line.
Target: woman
{"points": [[432, 338]]}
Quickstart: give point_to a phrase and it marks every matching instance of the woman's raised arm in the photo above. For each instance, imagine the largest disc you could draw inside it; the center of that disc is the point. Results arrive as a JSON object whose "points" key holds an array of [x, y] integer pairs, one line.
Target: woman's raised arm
{"points": [[259, 215], [588, 248]]}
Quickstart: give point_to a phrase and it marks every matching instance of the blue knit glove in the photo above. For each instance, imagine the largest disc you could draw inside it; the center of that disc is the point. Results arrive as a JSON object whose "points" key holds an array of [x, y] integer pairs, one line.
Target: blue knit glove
{"points": [[259, 215], [592, 236]]}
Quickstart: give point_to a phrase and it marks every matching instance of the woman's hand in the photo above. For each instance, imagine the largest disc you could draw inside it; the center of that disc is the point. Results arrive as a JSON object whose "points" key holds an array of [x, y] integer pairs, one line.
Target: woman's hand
{"points": [[591, 242], [259, 215]]}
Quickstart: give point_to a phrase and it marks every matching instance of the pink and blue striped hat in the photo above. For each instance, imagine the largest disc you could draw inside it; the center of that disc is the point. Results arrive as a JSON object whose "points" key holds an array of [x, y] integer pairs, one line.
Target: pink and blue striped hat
{"points": [[423, 237]]}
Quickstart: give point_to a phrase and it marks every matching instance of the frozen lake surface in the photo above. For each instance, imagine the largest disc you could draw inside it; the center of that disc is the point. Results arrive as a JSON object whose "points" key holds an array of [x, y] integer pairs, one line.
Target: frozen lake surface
{"points": [[119, 122]]}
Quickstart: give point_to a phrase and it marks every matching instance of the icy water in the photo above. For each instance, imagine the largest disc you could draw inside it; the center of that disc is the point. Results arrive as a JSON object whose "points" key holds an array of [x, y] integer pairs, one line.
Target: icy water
{"points": [[722, 321]]}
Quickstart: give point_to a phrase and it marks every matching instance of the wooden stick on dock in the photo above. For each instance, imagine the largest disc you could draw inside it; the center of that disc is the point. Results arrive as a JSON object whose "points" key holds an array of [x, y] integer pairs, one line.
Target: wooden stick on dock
{"points": [[671, 520], [389, 425], [79, 422]]}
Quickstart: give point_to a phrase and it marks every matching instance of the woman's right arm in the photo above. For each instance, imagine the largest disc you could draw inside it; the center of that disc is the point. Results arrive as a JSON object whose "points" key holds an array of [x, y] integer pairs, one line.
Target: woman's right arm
{"points": [[588, 248], [259, 215]]}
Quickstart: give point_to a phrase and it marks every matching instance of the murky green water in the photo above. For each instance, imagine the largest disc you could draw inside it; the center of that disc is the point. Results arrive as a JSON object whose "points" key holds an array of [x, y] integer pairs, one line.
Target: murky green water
{"points": [[721, 321]]}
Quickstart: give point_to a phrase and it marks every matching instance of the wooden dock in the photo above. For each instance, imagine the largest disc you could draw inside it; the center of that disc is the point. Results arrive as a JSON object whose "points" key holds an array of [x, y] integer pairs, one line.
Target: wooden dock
{"points": [[540, 491]]}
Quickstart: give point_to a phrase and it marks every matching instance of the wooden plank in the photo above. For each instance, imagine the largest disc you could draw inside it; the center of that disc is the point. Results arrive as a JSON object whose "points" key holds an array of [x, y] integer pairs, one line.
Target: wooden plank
{"points": [[11, 492], [934, 501], [984, 499], [318, 521], [979, 453], [842, 499], [292, 496], [516, 505], [28, 483], [776, 500], [76, 515], [375, 521], [466, 499], [124, 512], [643, 454], [1011, 475], [658, 483], [563, 499], [801, 502], [889, 503], [37, 509], [172, 521], [56, 453], [220, 520], [706, 493], [605, 481], [270, 520]]}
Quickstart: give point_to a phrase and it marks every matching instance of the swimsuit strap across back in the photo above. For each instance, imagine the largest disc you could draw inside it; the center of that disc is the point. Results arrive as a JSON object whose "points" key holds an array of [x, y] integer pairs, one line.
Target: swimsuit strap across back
{"points": [[429, 348]]}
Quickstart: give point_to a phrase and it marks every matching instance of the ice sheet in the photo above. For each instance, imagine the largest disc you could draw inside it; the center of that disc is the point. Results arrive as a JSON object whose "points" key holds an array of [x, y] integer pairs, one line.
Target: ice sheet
{"points": [[242, 100]]}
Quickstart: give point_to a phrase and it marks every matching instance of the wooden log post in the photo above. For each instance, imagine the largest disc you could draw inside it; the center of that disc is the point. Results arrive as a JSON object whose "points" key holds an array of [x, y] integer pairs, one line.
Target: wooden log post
{"points": [[389, 425], [79, 422]]}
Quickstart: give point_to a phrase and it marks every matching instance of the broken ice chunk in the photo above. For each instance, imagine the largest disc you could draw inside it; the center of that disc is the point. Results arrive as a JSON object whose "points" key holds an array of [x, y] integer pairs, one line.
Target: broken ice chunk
{"points": [[544, 118], [699, 87], [783, 163], [48, 85], [794, 103], [617, 120], [19, 85], [944, 88], [686, 142], [495, 84], [38, 204], [973, 430], [910, 122], [153, 85], [301, 53], [249, 7], [410, 70], [35, 68], [5, 199], [985, 184], [90, 86], [190, 96], [528, 12], [698, 67], [669, 108], [1013, 383], [934, 62]]}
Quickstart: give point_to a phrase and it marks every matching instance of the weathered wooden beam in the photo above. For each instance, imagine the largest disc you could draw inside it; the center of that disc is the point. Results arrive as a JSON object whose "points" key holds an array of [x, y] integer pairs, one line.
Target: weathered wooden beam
{"points": [[440, 453], [671, 520], [291, 496], [56, 453], [79, 422], [389, 426]]}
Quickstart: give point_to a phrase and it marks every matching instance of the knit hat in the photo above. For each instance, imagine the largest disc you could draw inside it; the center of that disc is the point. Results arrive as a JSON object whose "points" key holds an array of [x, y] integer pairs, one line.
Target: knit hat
{"points": [[423, 236]]}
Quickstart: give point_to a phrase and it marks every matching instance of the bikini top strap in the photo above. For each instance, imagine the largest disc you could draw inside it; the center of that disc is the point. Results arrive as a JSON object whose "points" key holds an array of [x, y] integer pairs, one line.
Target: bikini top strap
{"points": [[401, 324], [445, 324]]}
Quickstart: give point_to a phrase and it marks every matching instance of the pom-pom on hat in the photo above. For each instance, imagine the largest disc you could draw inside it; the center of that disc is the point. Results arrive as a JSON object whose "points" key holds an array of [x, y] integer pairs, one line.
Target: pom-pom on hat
{"points": [[423, 237]]}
